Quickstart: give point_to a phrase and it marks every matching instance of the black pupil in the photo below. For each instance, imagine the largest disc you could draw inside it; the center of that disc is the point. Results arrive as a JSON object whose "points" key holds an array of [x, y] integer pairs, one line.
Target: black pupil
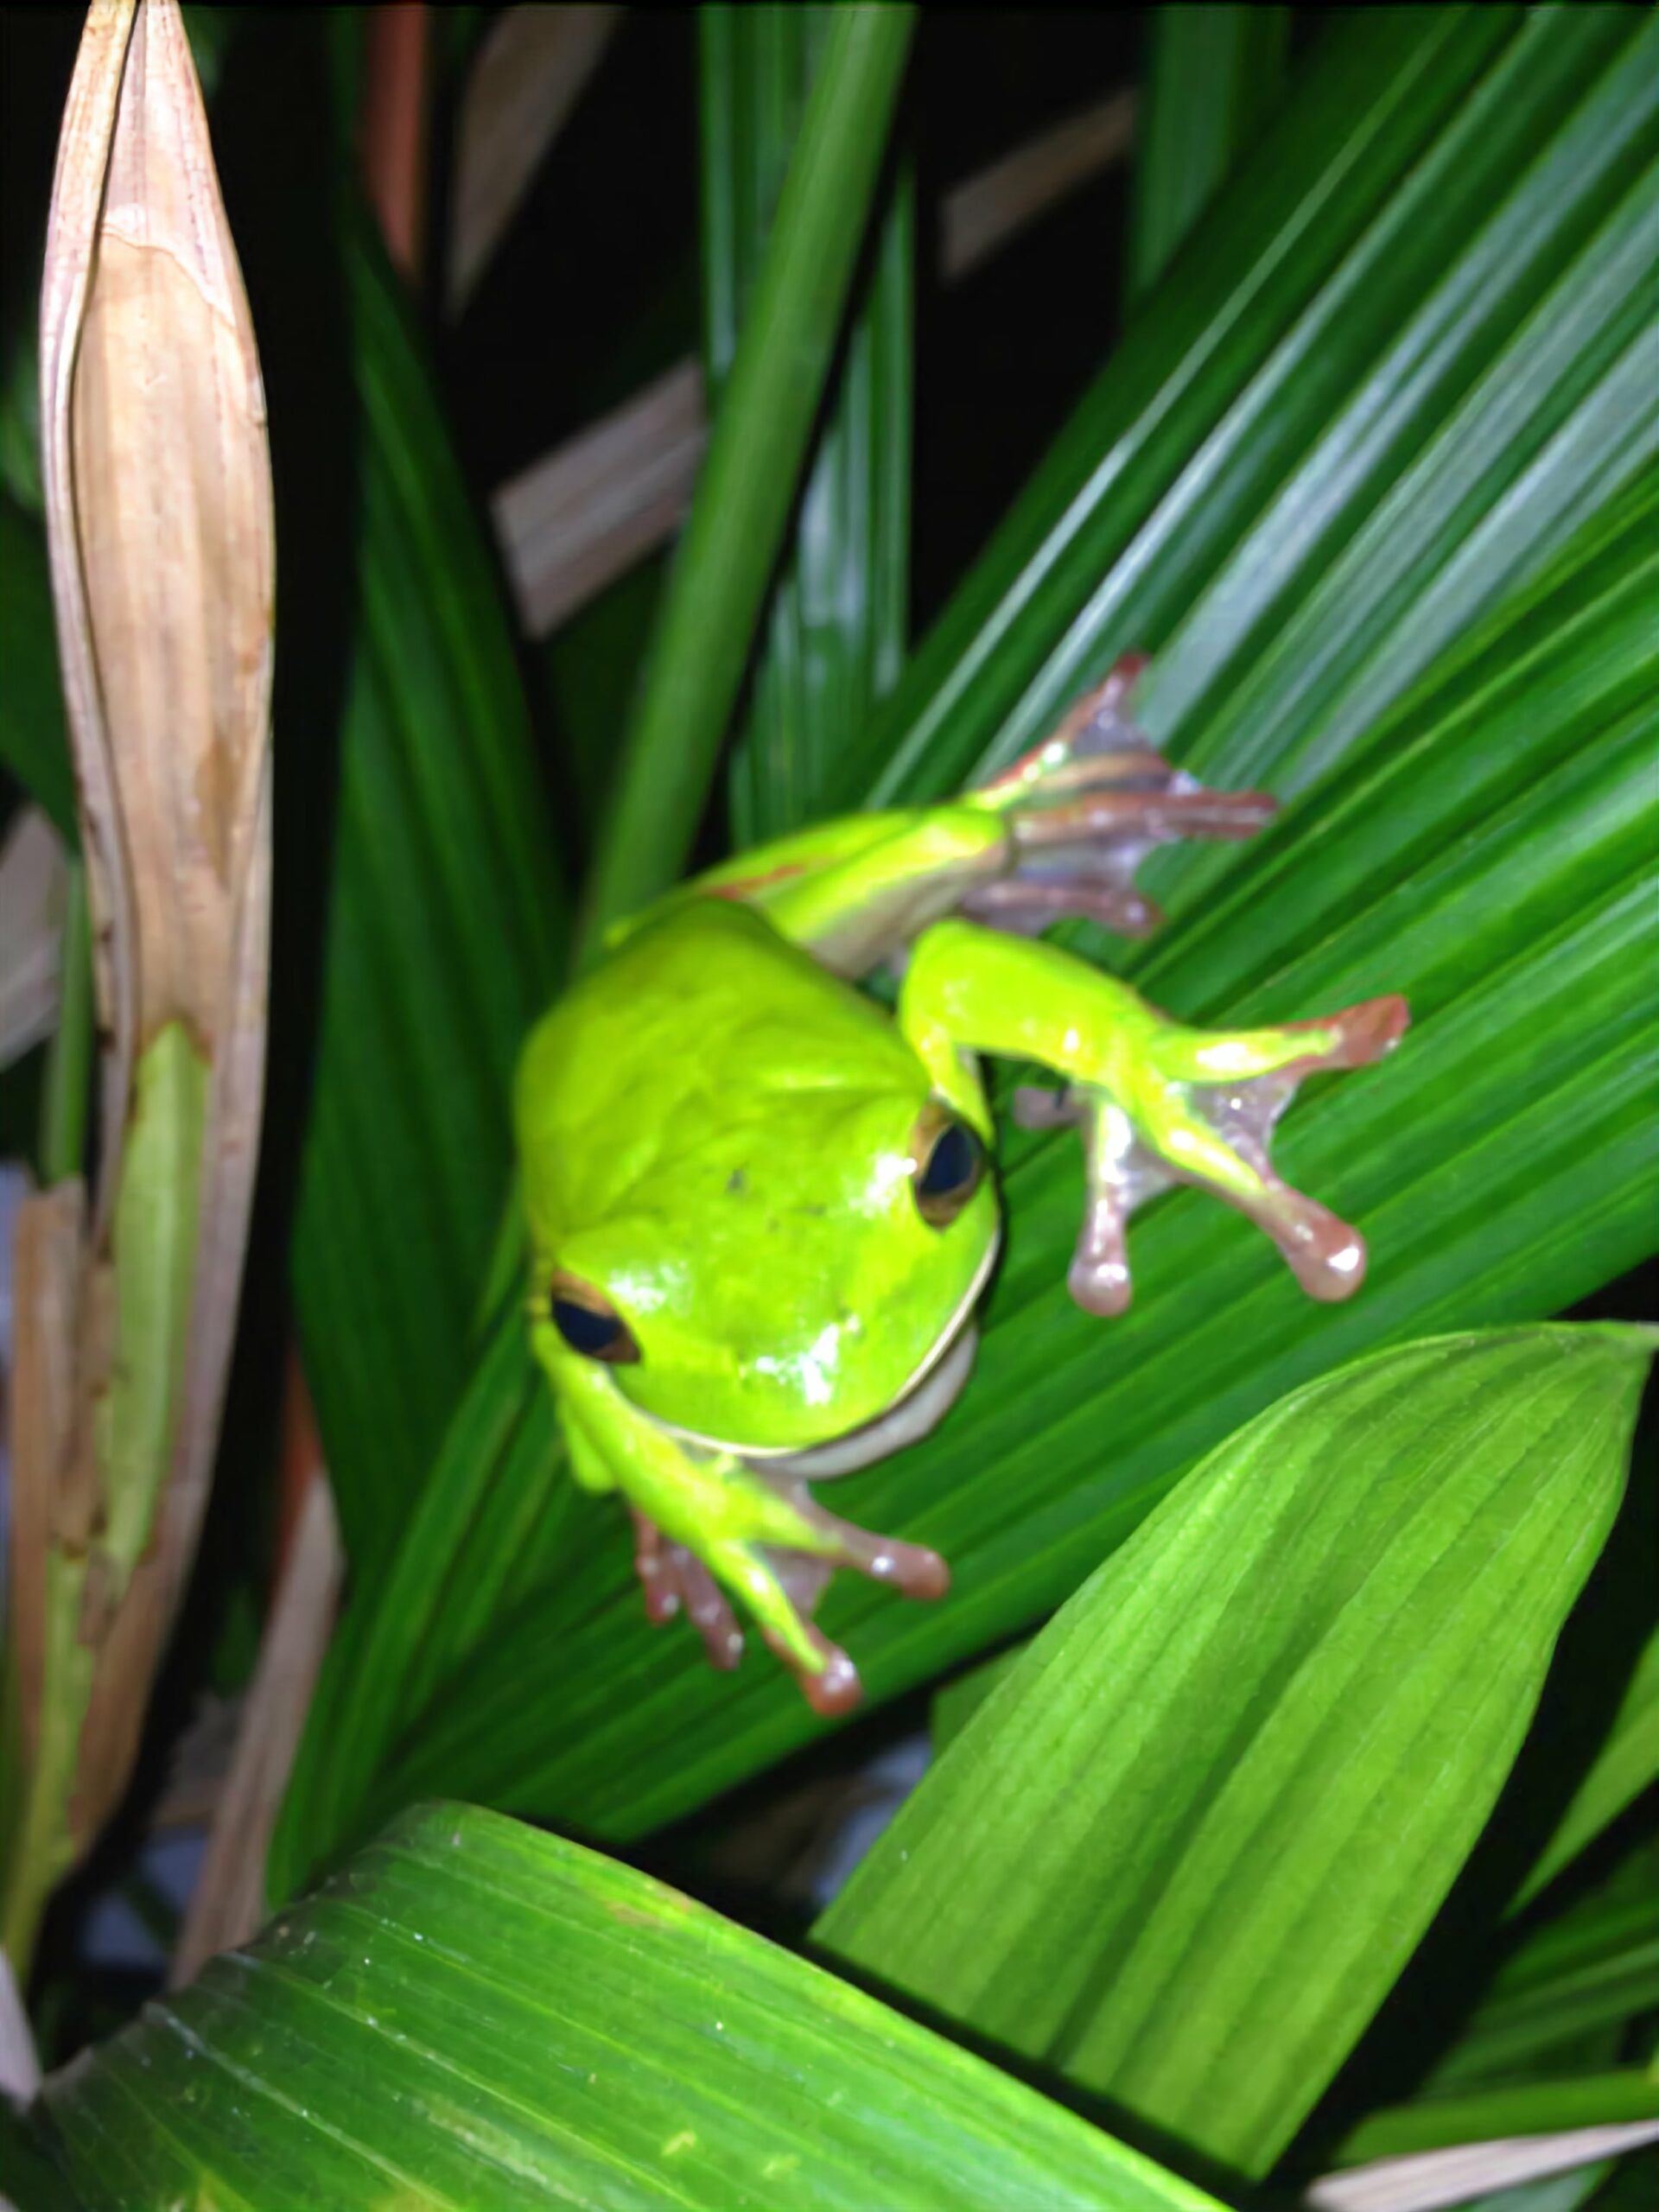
{"points": [[582, 1329], [952, 1164]]}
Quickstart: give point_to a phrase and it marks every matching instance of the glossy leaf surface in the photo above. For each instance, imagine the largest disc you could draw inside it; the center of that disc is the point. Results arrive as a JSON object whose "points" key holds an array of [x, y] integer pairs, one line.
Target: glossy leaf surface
{"points": [[1186, 1846], [475, 2016]]}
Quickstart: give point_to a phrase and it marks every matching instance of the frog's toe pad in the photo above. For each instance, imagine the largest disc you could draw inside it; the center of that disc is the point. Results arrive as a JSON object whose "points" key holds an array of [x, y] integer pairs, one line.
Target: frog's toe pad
{"points": [[833, 1686], [1085, 806], [1124, 1169], [674, 1580], [912, 1568]]}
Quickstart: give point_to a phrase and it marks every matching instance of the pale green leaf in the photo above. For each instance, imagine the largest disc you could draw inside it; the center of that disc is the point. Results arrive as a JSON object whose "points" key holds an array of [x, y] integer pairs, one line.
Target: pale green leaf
{"points": [[1186, 1847]]}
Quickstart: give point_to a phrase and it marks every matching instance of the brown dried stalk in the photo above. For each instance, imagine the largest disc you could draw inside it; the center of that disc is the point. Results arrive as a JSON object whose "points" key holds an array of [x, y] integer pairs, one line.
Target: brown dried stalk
{"points": [[34, 886], [227, 1905], [157, 485], [530, 71]]}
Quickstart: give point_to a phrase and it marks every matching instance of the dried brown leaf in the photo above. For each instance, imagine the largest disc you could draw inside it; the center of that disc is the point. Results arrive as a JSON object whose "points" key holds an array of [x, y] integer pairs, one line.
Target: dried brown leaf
{"points": [[228, 1904], [46, 1290], [530, 71], [33, 881], [158, 502]]}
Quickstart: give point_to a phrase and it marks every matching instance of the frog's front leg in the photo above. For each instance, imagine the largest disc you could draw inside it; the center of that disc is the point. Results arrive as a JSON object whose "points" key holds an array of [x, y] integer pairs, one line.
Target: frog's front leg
{"points": [[708, 1522], [1158, 1102], [1059, 834]]}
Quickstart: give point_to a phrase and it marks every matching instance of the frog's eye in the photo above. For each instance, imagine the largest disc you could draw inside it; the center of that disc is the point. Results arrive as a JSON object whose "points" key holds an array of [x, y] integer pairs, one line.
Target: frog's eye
{"points": [[950, 1162], [589, 1322]]}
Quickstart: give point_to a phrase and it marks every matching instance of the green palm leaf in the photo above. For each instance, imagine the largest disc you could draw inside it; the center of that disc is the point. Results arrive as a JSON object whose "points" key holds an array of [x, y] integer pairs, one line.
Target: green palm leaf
{"points": [[1400, 365]]}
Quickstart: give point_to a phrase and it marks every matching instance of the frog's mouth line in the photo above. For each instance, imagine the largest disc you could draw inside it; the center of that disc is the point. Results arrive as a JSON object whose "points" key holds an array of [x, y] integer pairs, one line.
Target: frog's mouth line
{"points": [[922, 1404]]}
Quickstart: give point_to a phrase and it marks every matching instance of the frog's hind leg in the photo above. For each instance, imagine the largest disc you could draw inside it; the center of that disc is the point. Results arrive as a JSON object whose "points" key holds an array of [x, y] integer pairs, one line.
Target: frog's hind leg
{"points": [[1084, 807], [1157, 1101]]}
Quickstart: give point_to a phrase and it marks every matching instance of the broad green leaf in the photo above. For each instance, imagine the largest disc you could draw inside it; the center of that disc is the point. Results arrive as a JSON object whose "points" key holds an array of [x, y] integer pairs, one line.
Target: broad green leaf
{"points": [[1186, 1847], [833, 634], [485, 1532], [749, 478], [1214, 75], [1627, 1763], [473, 2015], [444, 935]]}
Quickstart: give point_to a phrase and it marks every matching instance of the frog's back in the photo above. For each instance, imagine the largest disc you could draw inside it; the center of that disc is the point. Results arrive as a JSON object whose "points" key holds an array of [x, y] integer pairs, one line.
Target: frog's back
{"points": [[698, 1024]]}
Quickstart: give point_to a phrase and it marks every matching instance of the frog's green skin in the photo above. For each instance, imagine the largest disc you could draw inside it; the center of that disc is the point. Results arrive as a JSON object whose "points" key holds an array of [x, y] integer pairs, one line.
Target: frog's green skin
{"points": [[726, 1149]]}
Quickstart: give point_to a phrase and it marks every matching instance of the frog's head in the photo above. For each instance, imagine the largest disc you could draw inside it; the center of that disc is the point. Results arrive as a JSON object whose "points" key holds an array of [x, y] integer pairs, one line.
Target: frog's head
{"points": [[777, 1274]]}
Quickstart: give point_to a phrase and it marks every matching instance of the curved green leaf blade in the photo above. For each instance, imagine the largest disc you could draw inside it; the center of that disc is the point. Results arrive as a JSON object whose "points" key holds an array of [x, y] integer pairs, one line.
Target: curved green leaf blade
{"points": [[749, 478], [1530, 2108], [1186, 1847], [473, 2015], [1559, 1993], [1409, 338]]}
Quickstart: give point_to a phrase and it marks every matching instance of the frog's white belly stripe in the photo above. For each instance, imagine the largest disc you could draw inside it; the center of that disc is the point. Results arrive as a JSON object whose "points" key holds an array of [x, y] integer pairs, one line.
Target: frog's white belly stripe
{"points": [[922, 1408]]}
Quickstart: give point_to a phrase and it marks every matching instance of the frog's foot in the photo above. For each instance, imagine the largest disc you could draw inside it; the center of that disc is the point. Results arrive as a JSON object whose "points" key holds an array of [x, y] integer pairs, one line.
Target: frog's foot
{"points": [[1199, 1107], [777, 1549], [1084, 809], [674, 1578]]}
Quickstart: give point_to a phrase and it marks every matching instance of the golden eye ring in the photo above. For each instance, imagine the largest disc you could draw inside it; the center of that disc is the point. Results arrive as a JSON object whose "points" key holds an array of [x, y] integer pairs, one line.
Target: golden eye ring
{"points": [[948, 1164], [589, 1322]]}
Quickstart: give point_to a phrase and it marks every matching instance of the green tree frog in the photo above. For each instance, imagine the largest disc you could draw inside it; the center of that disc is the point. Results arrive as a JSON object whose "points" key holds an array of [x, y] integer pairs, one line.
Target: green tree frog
{"points": [[759, 1206]]}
